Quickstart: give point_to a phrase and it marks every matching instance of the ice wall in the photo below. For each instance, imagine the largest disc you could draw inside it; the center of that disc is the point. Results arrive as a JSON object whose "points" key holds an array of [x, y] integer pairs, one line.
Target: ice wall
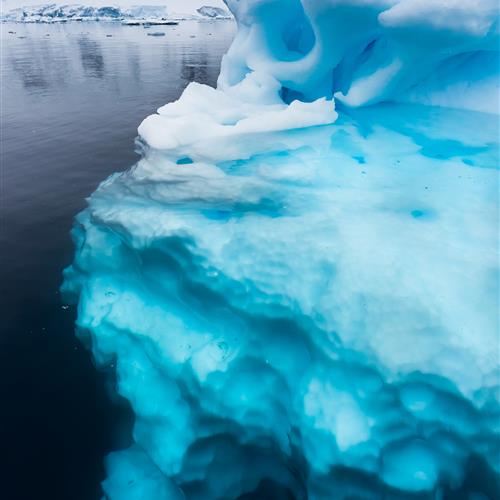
{"points": [[301, 302]]}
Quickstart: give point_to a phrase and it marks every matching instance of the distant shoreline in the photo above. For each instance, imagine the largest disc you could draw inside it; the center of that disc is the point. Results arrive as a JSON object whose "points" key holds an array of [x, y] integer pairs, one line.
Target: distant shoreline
{"points": [[123, 22], [53, 14]]}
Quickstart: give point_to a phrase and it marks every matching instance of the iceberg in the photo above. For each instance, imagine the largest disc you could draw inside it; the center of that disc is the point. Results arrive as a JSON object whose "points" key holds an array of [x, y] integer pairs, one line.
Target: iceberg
{"points": [[298, 283]]}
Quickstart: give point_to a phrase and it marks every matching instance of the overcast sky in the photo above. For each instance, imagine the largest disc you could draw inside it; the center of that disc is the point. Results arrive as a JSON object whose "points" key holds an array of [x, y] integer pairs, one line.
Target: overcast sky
{"points": [[175, 5]]}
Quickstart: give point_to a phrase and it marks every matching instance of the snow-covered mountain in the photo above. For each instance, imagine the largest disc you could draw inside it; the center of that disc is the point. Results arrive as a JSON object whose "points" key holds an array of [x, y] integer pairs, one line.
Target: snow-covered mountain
{"points": [[53, 12], [212, 12]]}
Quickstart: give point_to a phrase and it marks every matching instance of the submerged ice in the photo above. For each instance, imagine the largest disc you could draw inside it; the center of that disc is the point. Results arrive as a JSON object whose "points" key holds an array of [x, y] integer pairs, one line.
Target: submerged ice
{"points": [[302, 301]]}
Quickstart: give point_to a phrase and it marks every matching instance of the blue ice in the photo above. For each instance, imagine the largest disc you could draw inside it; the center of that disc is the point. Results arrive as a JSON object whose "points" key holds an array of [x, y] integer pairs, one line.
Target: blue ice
{"points": [[298, 282]]}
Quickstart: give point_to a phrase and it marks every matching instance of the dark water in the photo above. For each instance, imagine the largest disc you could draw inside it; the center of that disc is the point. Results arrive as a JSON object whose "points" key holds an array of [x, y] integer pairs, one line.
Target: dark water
{"points": [[72, 98]]}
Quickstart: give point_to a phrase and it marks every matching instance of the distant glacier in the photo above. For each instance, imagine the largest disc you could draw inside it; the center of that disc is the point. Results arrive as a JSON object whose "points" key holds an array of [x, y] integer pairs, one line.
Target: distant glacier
{"points": [[53, 13]]}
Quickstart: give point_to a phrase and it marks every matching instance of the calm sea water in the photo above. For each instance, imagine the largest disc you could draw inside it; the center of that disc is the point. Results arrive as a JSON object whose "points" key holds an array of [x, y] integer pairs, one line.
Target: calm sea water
{"points": [[72, 98]]}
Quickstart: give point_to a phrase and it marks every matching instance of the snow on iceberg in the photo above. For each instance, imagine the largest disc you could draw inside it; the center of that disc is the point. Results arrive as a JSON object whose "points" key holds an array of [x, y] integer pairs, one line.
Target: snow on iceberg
{"points": [[302, 302]]}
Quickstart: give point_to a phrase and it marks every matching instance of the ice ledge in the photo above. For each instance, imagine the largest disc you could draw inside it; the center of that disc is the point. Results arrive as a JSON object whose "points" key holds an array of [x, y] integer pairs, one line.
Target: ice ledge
{"points": [[204, 114]]}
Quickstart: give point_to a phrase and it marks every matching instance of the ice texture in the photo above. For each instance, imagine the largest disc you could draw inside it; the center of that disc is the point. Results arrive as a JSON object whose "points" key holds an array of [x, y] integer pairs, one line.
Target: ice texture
{"points": [[301, 301], [368, 51]]}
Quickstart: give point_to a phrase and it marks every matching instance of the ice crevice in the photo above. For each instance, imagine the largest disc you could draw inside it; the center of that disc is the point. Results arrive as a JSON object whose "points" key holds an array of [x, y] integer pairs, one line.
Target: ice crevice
{"points": [[302, 301]]}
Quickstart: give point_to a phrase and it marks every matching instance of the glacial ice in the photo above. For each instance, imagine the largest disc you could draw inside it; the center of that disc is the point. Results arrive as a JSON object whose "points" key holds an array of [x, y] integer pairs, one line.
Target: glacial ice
{"points": [[302, 301]]}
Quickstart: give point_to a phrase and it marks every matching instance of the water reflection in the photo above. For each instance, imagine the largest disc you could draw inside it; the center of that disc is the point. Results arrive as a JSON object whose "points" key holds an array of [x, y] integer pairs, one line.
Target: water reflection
{"points": [[195, 70], [31, 74], [134, 63], [36, 60], [63, 132], [91, 57]]}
